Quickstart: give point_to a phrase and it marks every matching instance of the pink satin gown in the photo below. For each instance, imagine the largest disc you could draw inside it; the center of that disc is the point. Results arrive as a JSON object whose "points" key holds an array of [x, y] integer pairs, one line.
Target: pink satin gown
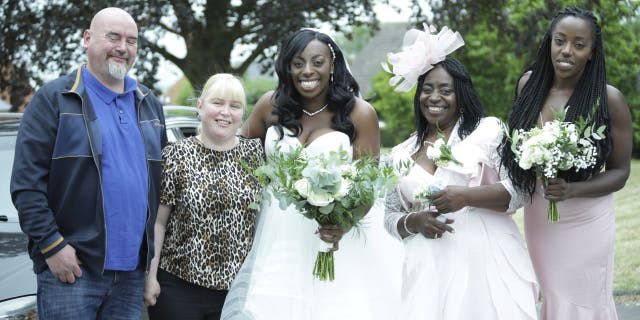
{"points": [[573, 258]]}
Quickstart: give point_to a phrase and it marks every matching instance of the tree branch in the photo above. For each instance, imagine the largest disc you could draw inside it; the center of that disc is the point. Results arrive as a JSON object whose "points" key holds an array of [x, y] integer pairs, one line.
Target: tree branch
{"points": [[180, 63], [247, 62], [168, 28], [246, 7], [184, 14]]}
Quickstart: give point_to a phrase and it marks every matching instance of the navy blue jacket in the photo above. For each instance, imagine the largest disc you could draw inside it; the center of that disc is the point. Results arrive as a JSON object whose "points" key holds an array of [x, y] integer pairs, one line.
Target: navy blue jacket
{"points": [[56, 178]]}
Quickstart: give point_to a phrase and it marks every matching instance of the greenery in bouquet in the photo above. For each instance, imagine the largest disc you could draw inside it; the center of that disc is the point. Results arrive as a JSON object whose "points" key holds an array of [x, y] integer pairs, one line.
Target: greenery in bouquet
{"points": [[329, 188], [425, 192], [556, 146]]}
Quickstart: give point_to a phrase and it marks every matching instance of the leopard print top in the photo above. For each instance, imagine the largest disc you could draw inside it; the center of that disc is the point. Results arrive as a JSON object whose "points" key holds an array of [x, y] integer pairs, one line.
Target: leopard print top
{"points": [[210, 229]]}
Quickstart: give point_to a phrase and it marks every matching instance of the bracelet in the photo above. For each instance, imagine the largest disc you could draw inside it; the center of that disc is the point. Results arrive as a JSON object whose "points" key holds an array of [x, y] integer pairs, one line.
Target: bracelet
{"points": [[404, 223]]}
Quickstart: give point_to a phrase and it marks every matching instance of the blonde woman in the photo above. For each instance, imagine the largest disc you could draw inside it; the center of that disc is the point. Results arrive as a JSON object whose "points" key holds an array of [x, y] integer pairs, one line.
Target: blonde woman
{"points": [[204, 227]]}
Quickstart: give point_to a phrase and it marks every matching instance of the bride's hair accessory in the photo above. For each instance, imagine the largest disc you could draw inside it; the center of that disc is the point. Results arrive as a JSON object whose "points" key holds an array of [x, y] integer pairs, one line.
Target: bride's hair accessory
{"points": [[420, 51], [333, 53]]}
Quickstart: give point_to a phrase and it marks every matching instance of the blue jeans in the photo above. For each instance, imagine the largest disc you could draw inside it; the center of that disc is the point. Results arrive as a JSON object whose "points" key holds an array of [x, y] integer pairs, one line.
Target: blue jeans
{"points": [[113, 295]]}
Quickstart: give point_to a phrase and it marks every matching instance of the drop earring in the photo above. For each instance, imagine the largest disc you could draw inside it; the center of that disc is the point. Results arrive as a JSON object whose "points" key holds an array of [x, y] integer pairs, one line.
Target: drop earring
{"points": [[331, 80]]}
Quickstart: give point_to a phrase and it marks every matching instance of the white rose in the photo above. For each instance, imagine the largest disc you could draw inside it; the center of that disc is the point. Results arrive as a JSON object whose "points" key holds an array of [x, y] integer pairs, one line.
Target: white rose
{"points": [[525, 163], [548, 137], [546, 155], [531, 143], [433, 151], [318, 199], [303, 187]]}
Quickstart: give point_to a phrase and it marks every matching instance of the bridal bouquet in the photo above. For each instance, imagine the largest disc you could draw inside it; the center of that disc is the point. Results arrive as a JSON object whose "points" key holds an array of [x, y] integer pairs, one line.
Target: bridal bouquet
{"points": [[328, 188], [557, 146]]}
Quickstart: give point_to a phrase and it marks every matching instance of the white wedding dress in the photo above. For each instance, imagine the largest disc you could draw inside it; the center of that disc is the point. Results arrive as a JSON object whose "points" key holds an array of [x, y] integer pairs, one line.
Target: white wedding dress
{"points": [[276, 281]]}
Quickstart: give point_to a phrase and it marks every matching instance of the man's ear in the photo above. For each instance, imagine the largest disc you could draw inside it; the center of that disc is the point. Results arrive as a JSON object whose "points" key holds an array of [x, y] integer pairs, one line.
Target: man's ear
{"points": [[86, 37]]}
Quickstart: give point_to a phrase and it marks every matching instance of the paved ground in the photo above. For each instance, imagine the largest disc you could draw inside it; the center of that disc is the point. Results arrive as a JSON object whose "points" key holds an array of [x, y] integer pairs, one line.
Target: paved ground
{"points": [[628, 311]]}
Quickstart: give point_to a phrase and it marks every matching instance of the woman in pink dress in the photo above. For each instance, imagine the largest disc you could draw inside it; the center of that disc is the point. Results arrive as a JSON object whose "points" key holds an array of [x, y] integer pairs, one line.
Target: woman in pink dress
{"points": [[573, 258]]}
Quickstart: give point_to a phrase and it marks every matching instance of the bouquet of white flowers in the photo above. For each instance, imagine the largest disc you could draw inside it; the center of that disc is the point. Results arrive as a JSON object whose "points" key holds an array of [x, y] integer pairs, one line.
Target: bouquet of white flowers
{"points": [[329, 188], [557, 146]]}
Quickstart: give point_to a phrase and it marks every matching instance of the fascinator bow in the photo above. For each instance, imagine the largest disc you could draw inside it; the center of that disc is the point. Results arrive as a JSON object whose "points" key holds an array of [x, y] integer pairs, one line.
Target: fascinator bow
{"points": [[421, 50]]}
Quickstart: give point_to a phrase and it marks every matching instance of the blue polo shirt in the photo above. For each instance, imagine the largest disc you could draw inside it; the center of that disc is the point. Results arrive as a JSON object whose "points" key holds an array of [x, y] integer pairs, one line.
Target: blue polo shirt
{"points": [[124, 171]]}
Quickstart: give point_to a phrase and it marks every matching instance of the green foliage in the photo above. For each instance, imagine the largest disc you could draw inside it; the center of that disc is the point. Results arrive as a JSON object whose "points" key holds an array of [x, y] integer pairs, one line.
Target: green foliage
{"points": [[626, 277], [395, 110], [254, 88], [185, 95]]}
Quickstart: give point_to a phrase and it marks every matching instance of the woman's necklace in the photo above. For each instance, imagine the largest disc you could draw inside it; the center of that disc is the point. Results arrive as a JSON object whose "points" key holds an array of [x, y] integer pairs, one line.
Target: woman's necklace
{"points": [[311, 114]]}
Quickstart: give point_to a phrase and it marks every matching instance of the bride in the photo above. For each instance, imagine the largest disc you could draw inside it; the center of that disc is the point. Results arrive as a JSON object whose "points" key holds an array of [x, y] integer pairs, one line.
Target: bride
{"points": [[315, 105]]}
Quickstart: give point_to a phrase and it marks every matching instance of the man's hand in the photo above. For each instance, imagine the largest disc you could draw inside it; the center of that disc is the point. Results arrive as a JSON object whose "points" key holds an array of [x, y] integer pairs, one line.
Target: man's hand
{"points": [[65, 265]]}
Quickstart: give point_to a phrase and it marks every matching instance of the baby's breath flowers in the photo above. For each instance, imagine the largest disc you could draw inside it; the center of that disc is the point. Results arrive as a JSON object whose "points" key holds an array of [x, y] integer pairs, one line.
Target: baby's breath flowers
{"points": [[557, 146]]}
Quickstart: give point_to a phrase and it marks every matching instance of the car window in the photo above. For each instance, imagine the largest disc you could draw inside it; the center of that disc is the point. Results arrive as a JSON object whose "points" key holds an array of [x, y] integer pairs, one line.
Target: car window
{"points": [[181, 121], [171, 135], [188, 131]]}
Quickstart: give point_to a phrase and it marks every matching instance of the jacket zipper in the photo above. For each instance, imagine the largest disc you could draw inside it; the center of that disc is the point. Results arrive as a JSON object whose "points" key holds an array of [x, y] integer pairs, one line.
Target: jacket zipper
{"points": [[93, 153], [146, 161]]}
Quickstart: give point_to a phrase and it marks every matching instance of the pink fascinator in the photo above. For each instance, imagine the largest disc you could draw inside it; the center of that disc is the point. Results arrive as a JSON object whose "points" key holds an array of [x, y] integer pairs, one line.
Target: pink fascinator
{"points": [[420, 51]]}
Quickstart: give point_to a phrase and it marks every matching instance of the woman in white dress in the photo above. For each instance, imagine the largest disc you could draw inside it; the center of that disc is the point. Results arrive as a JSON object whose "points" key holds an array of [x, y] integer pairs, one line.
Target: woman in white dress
{"points": [[464, 256], [315, 105]]}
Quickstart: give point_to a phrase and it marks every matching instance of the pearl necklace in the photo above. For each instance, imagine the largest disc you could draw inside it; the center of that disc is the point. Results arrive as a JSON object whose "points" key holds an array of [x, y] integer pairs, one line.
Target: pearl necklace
{"points": [[311, 114]]}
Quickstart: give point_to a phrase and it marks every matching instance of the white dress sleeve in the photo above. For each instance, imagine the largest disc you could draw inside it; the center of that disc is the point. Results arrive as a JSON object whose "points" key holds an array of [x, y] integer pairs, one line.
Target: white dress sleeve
{"points": [[393, 212], [394, 209], [518, 199]]}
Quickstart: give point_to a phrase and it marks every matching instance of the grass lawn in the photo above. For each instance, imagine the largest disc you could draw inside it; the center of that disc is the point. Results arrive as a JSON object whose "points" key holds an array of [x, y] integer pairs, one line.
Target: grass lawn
{"points": [[626, 282], [627, 259]]}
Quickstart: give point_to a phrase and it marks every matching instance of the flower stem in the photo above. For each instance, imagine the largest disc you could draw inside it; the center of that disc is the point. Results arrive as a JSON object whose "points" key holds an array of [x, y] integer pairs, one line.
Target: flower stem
{"points": [[552, 212], [324, 266]]}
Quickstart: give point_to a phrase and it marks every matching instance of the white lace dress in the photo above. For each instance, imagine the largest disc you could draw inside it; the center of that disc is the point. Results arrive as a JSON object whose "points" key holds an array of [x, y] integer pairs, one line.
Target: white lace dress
{"points": [[276, 282], [482, 271]]}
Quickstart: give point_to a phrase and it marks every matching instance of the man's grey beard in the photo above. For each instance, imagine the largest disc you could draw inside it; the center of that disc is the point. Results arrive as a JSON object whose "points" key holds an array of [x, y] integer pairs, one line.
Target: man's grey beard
{"points": [[118, 71]]}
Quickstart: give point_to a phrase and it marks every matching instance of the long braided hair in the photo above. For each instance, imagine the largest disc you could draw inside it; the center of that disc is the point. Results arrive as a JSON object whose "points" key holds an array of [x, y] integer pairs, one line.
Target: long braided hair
{"points": [[341, 96], [588, 100], [469, 107]]}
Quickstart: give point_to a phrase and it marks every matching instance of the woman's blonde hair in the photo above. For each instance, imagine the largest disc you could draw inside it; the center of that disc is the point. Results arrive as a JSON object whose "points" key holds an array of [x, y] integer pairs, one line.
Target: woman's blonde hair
{"points": [[226, 86]]}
